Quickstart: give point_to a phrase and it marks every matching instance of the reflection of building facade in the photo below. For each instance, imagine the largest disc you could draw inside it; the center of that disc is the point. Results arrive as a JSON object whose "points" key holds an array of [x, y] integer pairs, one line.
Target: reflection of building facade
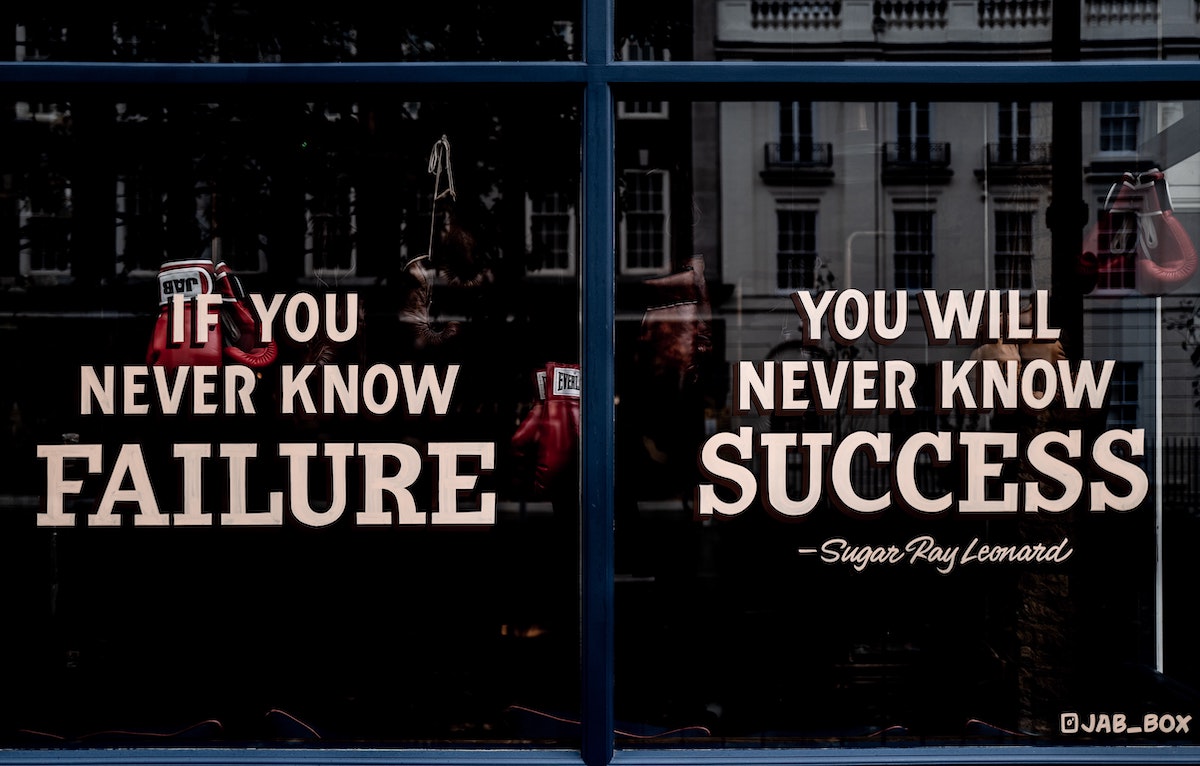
{"points": [[943, 195], [994, 29]]}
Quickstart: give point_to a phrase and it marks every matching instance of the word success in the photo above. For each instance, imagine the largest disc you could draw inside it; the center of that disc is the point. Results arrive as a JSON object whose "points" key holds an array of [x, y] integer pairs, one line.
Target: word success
{"points": [[811, 464]]}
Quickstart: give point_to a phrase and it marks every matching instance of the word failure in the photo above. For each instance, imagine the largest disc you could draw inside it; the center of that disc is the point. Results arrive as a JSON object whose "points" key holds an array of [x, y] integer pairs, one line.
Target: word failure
{"points": [[383, 485]]}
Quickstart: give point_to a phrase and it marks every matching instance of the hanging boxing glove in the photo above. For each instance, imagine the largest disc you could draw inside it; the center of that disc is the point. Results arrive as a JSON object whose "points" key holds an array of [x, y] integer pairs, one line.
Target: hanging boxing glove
{"points": [[188, 330], [1166, 257], [558, 437], [460, 263], [524, 442], [676, 332], [414, 311], [1109, 245], [242, 330], [415, 281]]}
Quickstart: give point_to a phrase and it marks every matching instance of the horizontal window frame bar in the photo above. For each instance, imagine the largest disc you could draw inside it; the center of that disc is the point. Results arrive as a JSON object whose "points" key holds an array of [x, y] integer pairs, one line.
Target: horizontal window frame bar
{"points": [[287, 756], [965, 755], [1096, 74]]}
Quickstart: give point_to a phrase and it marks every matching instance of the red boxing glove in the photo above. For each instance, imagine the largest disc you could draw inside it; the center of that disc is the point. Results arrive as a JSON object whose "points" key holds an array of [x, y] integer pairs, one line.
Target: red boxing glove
{"points": [[415, 311], [1166, 257], [676, 336], [524, 441], [1109, 245], [1138, 230], [525, 438], [558, 437], [241, 328], [188, 331]]}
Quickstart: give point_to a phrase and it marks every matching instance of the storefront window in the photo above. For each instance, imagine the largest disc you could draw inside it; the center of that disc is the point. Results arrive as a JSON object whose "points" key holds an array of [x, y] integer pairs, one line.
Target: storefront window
{"points": [[609, 383]]}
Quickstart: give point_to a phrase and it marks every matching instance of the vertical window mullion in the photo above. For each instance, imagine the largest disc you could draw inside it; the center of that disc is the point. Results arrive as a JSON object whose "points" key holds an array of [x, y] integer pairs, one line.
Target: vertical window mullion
{"points": [[598, 261]]}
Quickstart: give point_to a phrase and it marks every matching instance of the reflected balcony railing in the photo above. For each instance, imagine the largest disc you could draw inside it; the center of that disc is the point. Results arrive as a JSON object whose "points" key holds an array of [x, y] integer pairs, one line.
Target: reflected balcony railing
{"points": [[1015, 13], [794, 14], [803, 162], [916, 162], [921, 154], [911, 14], [1016, 161], [784, 156], [1121, 11], [1018, 153]]}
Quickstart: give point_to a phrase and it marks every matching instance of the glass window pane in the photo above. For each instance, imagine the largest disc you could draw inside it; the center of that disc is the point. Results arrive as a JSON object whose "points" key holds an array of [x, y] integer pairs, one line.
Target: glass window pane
{"points": [[894, 467], [302, 465]]}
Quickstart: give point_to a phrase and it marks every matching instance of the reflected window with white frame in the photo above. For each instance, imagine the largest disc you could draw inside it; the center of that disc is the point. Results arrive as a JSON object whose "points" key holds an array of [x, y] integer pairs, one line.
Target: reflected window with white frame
{"points": [[331, 201], [639, 50], [38, 42], [330, 247], [645, 237], [1118, 126], [796, 131], [1123, 395], [912, 131], [140, 222], [914, 249], [1014, 250], [1014, 131], [796, 254], [44, 213], [550, 231]]}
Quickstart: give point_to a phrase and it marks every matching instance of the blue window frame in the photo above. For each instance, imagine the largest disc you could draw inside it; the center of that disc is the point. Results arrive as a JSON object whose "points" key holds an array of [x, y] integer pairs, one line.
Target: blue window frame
{"points": [[600, 77]]}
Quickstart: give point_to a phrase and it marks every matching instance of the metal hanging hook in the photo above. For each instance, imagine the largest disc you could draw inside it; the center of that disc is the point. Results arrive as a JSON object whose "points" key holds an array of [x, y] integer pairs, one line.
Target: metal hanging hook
{"points": [[439, 163]]}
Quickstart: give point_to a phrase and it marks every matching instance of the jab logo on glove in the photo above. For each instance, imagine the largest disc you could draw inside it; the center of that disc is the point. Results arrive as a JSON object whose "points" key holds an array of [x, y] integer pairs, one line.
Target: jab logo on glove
{"points": [[184, 279]]}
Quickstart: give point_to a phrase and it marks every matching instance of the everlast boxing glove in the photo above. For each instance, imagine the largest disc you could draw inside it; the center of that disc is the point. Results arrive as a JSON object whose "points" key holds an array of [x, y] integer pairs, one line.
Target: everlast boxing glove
{"points": [[241, 328], [188, 331], [558, 437]]}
